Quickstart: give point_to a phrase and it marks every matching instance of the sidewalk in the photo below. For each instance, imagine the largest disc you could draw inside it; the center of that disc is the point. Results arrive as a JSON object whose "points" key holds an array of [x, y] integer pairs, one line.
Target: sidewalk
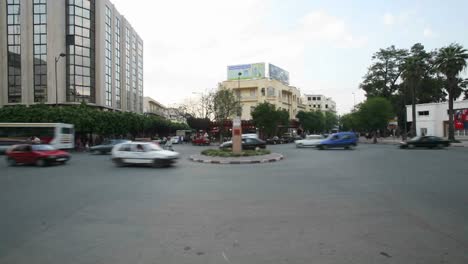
{"points": [[273, 157], [396, 141]]}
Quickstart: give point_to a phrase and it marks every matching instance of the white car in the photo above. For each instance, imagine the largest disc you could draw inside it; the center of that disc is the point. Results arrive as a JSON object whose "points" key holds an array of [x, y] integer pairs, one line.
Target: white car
{"points": [[175, 140], [147, 153], [309, 141]]}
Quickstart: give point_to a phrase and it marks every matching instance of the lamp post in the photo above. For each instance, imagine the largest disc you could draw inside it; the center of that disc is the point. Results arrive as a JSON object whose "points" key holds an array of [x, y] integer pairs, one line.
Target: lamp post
{"points": [[354, 101], [56, 86]]}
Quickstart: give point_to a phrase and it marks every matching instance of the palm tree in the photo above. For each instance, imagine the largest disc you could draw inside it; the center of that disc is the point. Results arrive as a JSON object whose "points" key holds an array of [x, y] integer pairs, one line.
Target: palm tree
{"points": [[450, 61]]}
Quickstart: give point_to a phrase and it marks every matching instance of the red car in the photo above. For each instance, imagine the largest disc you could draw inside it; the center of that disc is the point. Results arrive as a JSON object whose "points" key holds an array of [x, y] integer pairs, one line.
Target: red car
{"points": [[38, 154], [201, 141]]}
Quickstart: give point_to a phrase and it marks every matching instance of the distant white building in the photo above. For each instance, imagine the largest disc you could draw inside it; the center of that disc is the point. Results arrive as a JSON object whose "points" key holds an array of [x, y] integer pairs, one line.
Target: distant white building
{"points": [[319, 102], [432, 118]]}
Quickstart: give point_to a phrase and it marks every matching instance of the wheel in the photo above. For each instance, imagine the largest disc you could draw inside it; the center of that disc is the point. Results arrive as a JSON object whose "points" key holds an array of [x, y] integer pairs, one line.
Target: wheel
{"points": [[411, 146], [299, 145], [440, 146], [11, 162], [119, 162], [41, 163], [102, 152], [158, 163], [351, 147]]}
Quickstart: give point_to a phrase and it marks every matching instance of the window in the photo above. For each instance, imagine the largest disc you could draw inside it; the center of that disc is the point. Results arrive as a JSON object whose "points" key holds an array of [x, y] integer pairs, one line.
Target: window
{"points": [[14, 51], [423, 113], [80, 51], [314, 98], [309, 98], [40, 50], [326, 106], [263, 91], [270, 91], [127, 68], [67, 130], [253, 92], [319, 106], [108, 57], [318, 98], [118, 103]]}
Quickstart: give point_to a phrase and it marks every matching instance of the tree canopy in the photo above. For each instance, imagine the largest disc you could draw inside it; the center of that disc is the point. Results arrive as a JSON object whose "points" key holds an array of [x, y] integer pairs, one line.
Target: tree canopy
{"points": [[267, 118]]}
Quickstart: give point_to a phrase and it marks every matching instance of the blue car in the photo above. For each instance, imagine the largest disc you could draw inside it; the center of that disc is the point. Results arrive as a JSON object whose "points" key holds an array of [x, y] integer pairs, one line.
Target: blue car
{"points": [[347, 140]]}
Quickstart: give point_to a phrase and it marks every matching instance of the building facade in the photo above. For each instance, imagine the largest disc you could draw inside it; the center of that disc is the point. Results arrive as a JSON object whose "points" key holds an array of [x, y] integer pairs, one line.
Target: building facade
{"points": [[318, 102], [432, 118], [256, 91], [69, 52], [153, 107]]}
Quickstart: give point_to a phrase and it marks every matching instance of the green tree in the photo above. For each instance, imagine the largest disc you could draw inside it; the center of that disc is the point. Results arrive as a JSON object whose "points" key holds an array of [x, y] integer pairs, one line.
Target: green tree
{"points": [[350, 122], [451, 60], [313, 121], [384, 74], [374, 114], [225, 105], [267, 118], [330, 120]]}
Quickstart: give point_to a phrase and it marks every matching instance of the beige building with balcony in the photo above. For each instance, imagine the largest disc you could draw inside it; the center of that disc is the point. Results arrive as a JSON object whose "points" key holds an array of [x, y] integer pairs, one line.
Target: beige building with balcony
{"points": [[255, 91], [153, 107]]}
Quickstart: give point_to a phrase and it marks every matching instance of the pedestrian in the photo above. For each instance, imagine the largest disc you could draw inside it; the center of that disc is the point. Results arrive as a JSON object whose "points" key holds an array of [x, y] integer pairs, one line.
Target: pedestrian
{"points": [[168, 145]]}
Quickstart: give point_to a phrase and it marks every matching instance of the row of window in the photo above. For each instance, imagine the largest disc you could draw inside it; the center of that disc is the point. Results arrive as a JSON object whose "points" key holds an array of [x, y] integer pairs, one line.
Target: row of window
{"points": [[14, 51], [40, 50], [313, 98], [108, 57]]}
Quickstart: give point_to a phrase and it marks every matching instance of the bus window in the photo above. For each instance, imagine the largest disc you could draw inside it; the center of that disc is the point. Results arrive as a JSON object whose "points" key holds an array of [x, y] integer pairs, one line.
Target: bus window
{"points": [[67, 130]]}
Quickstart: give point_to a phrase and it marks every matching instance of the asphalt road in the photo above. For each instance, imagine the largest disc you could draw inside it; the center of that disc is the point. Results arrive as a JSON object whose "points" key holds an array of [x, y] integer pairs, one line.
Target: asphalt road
{"points": [[375, 204]]}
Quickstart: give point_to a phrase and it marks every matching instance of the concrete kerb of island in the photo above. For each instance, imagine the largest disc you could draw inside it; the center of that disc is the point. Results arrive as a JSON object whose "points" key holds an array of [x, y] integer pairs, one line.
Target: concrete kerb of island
{"points": [[273, 157]]}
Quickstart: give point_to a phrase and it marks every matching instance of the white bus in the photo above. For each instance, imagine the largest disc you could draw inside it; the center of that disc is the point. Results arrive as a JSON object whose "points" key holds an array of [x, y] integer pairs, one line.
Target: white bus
{"points": [[60, 135]]}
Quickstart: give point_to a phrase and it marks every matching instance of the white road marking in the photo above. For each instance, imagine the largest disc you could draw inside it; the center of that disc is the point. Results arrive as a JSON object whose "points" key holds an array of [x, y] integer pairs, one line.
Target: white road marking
{"points": [[224, 256]]}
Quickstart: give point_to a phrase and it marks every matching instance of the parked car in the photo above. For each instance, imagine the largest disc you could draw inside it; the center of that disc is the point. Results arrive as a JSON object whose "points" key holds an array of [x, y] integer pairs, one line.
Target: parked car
{"points": [[38, 154], [274, 140], [142, 153], [345, 140], [201, 141], [247, 143], [309, 141], [287, 139], [106, 146], [425, 142], [175, 140]]}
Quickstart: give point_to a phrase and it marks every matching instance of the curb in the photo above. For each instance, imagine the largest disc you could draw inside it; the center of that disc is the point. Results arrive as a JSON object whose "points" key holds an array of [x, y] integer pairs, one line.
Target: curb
{"points": [[195, 159]]}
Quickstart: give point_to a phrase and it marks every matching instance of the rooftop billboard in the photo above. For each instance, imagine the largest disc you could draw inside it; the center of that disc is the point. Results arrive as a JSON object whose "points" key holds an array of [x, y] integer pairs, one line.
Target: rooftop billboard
{"points": [[279, 74], [248, 71]]}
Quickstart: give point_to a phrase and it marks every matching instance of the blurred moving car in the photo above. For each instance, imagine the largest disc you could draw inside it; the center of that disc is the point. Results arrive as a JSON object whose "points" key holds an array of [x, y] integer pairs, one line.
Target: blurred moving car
{"points": [[309, 141], [247, 143], [201, 141], [38, 154], [106, 146], [143, 153], [274, 140], [345, 140], [425, 142]]}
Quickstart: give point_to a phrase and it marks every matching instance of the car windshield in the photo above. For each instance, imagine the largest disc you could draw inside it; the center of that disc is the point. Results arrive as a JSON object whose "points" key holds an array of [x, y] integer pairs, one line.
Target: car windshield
{"points": [[314, 137], [152, 147], [42, 147]]}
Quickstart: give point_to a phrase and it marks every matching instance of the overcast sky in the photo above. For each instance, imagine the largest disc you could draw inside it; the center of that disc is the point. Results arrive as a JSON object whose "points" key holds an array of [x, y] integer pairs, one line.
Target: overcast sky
{"points": [[325, 45]]}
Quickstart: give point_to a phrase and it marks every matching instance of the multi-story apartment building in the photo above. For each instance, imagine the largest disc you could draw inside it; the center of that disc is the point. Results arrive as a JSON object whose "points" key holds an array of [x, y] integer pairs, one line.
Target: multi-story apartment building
{"points": [[153, 107], [68, 52], [318, 102], [253, 92], [253, 86]]}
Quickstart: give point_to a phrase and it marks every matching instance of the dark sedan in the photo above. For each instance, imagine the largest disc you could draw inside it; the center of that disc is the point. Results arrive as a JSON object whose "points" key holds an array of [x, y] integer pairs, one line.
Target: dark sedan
{"points": [[425, 142], [247, 143], [106, 146]]}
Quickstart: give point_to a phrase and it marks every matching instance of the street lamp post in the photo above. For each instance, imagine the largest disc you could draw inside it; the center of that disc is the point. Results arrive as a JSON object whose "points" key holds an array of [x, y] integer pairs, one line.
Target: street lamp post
{"points": [[56, 86]]}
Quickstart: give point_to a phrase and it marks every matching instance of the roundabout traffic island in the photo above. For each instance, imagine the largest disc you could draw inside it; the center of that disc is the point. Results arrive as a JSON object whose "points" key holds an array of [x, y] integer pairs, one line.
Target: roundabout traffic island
{"points": [[226, 156]]}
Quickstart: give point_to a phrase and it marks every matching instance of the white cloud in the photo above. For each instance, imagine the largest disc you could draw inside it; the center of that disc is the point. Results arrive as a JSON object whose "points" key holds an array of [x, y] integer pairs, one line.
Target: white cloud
{"points": [[187, 49], [389, 19], [428, 33]]}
